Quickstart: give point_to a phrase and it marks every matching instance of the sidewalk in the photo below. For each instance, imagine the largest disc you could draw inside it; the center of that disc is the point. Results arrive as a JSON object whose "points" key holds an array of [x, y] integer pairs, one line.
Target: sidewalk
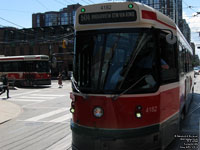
{"points": [[8, 111]]}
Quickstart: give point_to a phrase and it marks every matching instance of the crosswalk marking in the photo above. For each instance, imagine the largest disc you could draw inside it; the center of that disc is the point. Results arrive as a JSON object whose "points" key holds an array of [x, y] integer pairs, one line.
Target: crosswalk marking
{"points": [[47, 95], [36, 118], [26, 100], [31, 97], [62, 118]]}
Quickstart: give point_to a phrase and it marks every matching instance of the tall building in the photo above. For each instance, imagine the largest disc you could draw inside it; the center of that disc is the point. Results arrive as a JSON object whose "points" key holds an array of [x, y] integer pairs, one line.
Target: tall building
{"points": [[55, 18], [173, 9], [185, 29], [167, 7]]}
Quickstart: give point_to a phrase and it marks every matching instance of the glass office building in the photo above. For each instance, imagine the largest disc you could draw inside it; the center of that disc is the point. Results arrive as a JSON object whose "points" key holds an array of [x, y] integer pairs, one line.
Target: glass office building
{"points": [[167, 7]]}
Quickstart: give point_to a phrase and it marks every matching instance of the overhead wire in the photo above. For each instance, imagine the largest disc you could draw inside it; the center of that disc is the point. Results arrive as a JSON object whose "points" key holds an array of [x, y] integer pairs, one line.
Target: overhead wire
{"points": [[41, 4], [11, 22], [60, 2]]}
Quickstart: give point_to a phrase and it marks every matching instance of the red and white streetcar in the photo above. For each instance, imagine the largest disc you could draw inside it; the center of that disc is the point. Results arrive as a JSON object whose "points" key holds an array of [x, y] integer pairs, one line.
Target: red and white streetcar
{"points": [[26, 70], [132, 79]]}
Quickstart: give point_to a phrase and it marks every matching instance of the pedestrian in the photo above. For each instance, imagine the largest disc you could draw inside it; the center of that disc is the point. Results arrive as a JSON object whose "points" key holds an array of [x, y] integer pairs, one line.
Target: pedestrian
{"points": [[60, 80], [5, 85]]}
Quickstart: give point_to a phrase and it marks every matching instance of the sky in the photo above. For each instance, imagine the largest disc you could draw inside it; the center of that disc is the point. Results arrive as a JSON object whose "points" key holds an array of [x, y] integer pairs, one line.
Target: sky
{"points": [[18, 13]]}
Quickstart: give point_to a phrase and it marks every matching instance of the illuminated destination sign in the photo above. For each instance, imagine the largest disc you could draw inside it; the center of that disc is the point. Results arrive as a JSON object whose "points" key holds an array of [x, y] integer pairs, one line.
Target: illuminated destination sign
{"points": [[108, 17]]}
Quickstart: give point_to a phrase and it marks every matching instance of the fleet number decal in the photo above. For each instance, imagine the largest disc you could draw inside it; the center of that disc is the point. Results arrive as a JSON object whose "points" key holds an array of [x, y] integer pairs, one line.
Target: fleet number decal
{"points": [[106, 7], [151, 109]]}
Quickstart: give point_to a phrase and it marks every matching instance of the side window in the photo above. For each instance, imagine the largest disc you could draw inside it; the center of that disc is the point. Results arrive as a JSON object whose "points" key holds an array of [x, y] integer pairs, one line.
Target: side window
{"points": [[168, 54], [181, 58]]}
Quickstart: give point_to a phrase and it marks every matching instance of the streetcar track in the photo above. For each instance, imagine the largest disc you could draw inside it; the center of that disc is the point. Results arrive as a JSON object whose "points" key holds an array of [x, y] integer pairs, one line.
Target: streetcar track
{"points": [[44, 137], [30, 134]]}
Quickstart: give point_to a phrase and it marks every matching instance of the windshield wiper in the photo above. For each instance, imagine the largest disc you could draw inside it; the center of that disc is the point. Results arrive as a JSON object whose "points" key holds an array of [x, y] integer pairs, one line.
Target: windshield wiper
{"points": [[76, 88], [118, 95]]}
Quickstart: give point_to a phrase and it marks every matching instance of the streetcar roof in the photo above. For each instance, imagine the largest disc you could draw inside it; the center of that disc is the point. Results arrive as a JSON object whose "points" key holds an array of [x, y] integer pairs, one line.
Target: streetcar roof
{"points": [[24, 58], [146, 16]]}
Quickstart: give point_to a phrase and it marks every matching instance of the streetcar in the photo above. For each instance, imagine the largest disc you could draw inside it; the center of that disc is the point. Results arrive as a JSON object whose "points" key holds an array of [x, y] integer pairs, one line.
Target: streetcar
{"points": [[27, 70], [132, 80]]}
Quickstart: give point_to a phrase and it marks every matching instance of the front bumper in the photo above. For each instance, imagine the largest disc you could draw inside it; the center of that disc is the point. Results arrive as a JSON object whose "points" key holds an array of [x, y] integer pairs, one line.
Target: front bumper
{"points": [[85, 138]]}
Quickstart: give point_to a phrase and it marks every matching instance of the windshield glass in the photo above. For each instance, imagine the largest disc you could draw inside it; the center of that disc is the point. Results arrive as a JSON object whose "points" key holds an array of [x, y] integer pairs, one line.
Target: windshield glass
{"points": [[111, 61]]}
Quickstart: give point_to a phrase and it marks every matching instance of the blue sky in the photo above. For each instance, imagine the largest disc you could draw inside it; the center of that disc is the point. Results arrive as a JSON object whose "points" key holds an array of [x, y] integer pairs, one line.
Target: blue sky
{"points": [[20, 12]]}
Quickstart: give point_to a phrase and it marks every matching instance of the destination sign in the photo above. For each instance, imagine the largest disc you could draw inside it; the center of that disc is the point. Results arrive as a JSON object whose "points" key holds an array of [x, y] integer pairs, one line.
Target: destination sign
{"points": [[107, 17]]}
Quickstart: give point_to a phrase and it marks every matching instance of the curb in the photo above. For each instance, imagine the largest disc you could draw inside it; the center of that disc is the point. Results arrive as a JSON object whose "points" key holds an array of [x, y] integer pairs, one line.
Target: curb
{"points": [[8, 111]]}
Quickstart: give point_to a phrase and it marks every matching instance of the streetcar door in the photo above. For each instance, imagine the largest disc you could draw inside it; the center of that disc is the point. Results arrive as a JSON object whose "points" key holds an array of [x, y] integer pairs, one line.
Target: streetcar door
{"points": [[29, 75]]}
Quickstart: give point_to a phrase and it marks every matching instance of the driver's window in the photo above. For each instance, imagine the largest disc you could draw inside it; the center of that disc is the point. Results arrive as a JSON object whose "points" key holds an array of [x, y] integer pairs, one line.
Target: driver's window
{"points": [[168, 60]]}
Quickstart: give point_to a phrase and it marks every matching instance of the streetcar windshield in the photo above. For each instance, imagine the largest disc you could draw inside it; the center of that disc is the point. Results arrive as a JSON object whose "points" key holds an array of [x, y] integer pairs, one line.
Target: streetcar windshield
{"points": [[112, 61]]}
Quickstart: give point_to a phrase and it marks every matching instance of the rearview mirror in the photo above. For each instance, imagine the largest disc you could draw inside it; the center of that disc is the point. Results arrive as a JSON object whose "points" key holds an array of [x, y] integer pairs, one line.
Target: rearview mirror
{"points": [[170, 38]]}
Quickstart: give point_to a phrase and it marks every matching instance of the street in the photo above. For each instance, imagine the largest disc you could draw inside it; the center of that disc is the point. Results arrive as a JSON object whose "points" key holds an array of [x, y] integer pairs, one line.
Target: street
{"points": [[44, 123]]}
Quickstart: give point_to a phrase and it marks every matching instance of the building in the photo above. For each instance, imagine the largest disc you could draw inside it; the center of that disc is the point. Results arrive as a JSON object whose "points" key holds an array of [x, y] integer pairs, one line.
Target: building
{"points": [[173, 9], [51, 34], [167, 7], [185, 29], [55, 18], [49, 41]]}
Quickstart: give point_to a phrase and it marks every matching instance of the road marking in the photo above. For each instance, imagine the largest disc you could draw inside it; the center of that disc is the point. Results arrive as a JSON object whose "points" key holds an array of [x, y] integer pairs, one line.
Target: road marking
{"points": [[62, 118], [47, 95], [31, 97], [13, 95], [26, 100], [36, 118]]}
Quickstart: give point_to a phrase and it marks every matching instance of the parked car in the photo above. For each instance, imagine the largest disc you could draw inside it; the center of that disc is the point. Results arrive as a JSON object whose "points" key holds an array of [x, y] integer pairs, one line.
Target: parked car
{"points": [[196, 70]]}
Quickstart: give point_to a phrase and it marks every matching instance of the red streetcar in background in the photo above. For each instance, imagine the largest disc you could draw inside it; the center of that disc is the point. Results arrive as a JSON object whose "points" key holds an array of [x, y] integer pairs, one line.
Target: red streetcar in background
{"points": [[133, 78], [26, 70]]}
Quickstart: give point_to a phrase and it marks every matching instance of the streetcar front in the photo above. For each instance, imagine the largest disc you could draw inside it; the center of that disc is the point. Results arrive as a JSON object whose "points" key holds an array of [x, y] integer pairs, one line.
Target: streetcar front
{"points": [[116, 79]]}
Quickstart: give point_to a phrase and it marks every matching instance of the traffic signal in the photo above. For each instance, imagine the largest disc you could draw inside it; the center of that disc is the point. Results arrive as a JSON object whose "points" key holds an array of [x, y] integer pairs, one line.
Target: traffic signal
{"points": [[64, 44]]}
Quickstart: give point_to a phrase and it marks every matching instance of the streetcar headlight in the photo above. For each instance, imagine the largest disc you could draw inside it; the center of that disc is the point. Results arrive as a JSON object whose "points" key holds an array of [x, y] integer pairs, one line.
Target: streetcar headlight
{"points": [[98, 112], [138, 115], [72, 110]]}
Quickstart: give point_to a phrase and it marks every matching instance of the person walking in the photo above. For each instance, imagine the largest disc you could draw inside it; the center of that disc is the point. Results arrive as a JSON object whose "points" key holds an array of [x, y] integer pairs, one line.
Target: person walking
{"points": [[5, 85], [60, 80]]}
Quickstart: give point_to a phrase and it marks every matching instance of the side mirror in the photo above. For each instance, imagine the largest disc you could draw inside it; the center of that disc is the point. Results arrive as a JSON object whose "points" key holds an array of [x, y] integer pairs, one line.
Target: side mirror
{"points": [[170, 38]]}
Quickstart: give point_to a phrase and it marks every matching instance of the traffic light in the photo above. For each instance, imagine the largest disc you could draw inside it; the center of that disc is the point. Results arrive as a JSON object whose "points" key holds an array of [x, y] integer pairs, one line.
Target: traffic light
{"points": [[64, 44]]}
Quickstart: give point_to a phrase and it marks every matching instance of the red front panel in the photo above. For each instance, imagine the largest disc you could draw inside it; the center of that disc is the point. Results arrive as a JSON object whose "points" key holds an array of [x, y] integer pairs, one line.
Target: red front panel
{"points": [[21, 76], [120, 113]]}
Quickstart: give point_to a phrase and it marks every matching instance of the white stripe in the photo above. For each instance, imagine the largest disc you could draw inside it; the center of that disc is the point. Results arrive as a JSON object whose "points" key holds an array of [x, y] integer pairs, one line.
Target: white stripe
{"points": [[47, 95], [30, 97], [26, 100], [36, 118], [26, 93], [63, 118]]}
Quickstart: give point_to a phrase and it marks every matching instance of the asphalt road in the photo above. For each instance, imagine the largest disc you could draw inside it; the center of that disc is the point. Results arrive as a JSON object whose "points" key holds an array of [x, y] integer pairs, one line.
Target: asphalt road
{"points": [[188, 137], [44, 123]]}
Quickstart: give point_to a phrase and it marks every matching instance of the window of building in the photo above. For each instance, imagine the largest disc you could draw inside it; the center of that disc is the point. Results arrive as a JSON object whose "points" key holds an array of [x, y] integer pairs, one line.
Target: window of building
{"points": [[64, 18], [38, 21], [51, 19]]}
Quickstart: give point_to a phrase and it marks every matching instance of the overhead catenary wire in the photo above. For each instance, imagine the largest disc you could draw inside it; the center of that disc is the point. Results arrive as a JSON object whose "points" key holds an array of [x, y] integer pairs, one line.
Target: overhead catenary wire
{"points": [[11, 22], [41, 4], [60, 2]]}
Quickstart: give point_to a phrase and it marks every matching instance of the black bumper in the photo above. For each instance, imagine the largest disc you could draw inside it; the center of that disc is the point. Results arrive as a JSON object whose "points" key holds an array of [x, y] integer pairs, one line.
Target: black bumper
{"points": [[84, 138]]}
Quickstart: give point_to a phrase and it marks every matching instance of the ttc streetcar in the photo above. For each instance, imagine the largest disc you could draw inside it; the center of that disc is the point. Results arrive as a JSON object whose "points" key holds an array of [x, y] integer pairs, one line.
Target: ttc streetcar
{"points": [[133, 78]]}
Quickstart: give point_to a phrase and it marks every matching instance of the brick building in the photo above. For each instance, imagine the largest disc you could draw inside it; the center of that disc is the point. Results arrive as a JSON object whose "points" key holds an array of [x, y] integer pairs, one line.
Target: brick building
{"points": [[51, 34], [53, 18], [40, 41]]}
